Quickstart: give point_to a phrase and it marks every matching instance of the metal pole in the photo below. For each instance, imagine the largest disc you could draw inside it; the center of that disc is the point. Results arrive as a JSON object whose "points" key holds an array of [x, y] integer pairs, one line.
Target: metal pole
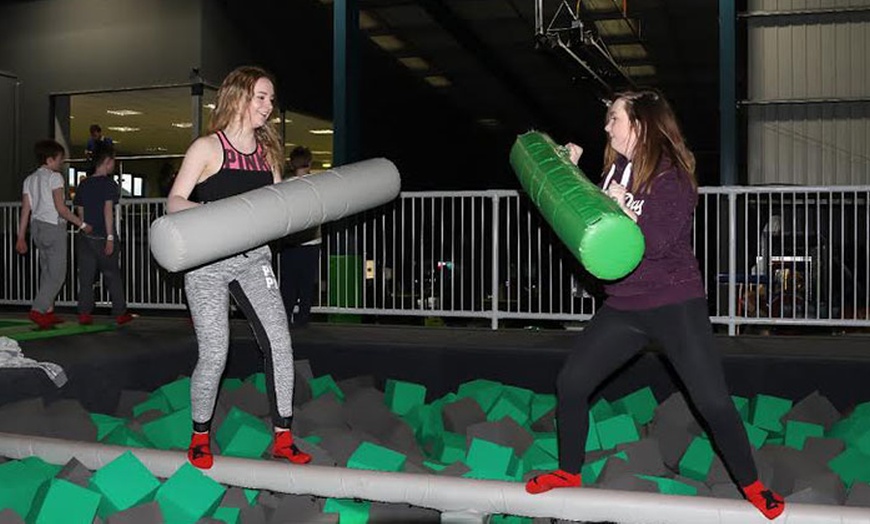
{"points": [[495, 223], [727, 93]]}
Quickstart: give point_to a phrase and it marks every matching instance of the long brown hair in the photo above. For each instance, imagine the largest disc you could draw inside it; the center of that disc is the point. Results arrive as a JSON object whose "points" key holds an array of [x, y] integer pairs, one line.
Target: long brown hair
{"points": [[236, 91], [659, 135]]}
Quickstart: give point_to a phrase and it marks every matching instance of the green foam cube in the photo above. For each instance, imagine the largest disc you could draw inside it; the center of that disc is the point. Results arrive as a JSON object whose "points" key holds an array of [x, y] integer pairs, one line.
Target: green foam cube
{"points": [[489, 460], [20, 482], [509, 519], [756, 435], [741, 404], [251, 495], [323, 385], [617, 430], [640, 405], [697, 459], [401, 397], [670, 486], [851, 465], [767, 411], [188, 496], [434, 466], [485, 392], [378, 458], [508, 405], [259, 381], [232, 384], [154, 402], [243, 435], [124, 436], [123, 483], [852, 428], [602, 410], [539, 459], [106, 424], [450, 448], [66, 502], [592, 470], [228, 515], [593, 443], [523, 396], [427, 423], [796, 433], [541, 405], [176, 394], [350, 511], [171, 431]]}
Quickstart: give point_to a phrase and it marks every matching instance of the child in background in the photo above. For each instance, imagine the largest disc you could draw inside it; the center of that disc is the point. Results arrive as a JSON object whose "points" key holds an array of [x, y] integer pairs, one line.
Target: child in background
{"points": [[98, 250], [43, 207]]}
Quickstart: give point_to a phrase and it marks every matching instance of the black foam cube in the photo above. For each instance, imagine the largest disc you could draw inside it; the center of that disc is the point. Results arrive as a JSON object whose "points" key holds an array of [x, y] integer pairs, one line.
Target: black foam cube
{"points": [[75, 472], [380, 512], [129, 399], [645, 457], [459, 415], [505, 432], [144, 514], [247, 398], [25, 417], [859, 495], [8, 516], [825, 487], [814, 409]]}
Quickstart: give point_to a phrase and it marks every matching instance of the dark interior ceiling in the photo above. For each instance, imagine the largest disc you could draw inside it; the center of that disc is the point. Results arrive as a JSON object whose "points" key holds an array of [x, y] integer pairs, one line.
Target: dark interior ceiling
{"points": [[475, 69]]}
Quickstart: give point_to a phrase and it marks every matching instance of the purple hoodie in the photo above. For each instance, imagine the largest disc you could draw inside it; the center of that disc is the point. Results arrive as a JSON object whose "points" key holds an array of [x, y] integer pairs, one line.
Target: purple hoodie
{"points": [[668, 272]]}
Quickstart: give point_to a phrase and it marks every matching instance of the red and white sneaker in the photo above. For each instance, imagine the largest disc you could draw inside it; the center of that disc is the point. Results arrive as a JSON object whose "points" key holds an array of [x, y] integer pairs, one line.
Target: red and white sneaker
{"points": [[285, 448], [199, 453], [42, 320], [768, 502], [556, 479]]}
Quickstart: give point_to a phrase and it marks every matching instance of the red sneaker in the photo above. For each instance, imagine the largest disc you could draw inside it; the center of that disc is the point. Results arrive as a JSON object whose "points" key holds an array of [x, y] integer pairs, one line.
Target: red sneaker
{"points": [[85, 319], [768, 502], [556, 479], [285, 448], [124, 318], [54, 318], [199, 453], [42, 320]]}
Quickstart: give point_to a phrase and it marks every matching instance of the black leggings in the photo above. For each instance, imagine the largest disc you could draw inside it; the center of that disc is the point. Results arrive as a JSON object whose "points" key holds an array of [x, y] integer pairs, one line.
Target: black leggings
{"points": [[612, 338]]}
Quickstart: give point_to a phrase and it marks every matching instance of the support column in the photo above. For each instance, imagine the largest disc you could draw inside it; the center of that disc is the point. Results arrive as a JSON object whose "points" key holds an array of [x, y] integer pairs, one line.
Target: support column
{"points": [[727, 93], [345, 82]]}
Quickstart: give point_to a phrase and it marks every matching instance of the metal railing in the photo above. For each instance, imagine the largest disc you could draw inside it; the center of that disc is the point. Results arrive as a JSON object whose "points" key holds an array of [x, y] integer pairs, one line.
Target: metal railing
{"points": [[773, 256]]}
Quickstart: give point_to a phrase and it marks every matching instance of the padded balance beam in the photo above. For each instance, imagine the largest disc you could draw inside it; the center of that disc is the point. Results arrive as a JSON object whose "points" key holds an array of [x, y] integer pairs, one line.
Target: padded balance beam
{"points": [[449, 495]]}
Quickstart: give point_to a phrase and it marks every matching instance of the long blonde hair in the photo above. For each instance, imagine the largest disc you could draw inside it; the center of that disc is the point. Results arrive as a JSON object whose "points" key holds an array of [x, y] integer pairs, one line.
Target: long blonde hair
{"points": [[659, 135], [236, 91]]}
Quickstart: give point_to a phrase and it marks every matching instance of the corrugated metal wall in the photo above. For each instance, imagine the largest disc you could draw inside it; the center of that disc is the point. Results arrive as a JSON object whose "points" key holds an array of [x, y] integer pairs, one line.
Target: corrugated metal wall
{"points": [[808, 107]]}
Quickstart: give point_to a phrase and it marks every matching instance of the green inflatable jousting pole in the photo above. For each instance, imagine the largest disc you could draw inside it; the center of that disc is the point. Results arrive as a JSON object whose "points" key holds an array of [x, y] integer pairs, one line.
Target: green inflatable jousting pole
{"points": [[590, 224]]}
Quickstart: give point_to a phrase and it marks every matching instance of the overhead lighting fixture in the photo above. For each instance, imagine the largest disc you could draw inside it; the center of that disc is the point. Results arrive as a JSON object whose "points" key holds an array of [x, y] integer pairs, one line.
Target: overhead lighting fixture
{"points": [[488, 122], [182, 125], [321, 152], [414, 63], [289, 144], [326, 165], [388, 42], [320, 131], [276, 120], [123, 112], [438, 81], [210, 106], [157, 149], [628, 51], [640, 70], [123, 129]]}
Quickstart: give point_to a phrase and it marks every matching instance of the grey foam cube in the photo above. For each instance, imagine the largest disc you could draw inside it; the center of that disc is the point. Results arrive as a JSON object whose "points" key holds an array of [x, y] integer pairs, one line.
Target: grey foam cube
{"points": [[674, 411], [459, 415], [673, 442], [788, 466], [25, 417], [69, 420], [319, 456], [401, 438], [814, 409], [703, 490], [209, 520], [645, 457], [302, 370], [75, 472], [234, 497], [827, 486], [628, 482], [718, 473], [823, 450], [354, 384], [323, 412], [546, 423], [341, 444], [7, 516], [725, 490], [146, 417], [811, 496], [614, 469], [457, 469], [505, 432], [247, 398], [270, 500], [859, 495], [380, 512], [143, 514], [296, 508], [365, 411], [128, 399], [254, 515]]}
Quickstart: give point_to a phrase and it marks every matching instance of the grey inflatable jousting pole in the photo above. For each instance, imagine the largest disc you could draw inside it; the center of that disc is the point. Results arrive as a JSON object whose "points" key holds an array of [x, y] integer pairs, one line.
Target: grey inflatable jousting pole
{"points": [[449, 495], [216, 230]]}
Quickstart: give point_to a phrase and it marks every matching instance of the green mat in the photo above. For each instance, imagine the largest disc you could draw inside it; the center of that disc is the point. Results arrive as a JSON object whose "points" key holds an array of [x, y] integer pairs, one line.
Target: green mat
{"points": [[25, 330]]}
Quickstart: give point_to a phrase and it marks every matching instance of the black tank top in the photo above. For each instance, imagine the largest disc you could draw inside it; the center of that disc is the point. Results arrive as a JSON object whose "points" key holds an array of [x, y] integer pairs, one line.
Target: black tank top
{"points": [[238, 174]]}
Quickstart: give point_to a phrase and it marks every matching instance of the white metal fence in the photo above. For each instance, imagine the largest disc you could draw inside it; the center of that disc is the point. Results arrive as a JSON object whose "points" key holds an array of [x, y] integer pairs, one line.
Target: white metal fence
{"points": [[772, 255]]}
